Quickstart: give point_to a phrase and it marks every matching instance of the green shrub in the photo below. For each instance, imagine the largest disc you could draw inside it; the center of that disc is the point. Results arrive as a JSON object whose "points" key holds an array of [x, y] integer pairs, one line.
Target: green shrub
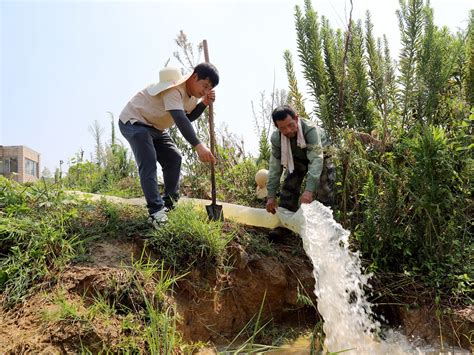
{"points": [[237, 184], [412, 214], [190, 239]]}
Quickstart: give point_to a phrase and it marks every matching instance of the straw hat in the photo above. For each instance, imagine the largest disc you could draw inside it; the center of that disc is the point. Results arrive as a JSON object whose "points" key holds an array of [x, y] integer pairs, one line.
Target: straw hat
{"points": [[261, 177], [169, 78]]}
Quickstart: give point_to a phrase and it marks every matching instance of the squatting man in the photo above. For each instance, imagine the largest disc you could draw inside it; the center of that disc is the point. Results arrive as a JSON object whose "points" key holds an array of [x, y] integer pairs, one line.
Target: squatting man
{"points": [[297, 147]]}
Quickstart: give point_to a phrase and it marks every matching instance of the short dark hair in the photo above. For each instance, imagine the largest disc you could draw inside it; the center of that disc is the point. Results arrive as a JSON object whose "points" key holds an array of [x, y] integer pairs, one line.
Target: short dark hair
{"points": [[281, 112], [207, 71]]}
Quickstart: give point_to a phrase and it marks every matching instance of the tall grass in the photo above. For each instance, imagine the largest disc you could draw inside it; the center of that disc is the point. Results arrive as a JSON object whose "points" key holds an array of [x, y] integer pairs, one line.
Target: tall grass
{"points": [[34, 236], [160, 332], [255, 327], [190, 239], [42, 229]]}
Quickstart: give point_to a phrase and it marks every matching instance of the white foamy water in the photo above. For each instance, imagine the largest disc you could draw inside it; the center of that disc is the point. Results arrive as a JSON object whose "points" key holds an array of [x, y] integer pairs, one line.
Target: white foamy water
{"points": [[348, 321]]}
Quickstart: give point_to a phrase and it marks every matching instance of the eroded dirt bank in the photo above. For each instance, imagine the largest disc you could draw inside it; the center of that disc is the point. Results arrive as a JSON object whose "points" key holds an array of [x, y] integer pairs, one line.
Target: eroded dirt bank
{"points": [[213, 305]]}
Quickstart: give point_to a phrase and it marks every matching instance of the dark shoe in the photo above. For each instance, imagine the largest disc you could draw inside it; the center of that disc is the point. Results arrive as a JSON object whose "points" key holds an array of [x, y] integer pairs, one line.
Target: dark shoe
{"points": [[278, 234], [170, 202]]}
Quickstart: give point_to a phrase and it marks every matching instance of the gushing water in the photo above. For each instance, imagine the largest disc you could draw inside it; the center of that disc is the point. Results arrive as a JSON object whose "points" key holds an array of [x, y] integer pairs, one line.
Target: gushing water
{"points": [[348, 319]]}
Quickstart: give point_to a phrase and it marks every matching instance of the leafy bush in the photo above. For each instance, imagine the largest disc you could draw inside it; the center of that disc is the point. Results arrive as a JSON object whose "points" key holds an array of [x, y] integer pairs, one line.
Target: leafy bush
{"points": [[237, 184], [413, 209], [405, 188]]}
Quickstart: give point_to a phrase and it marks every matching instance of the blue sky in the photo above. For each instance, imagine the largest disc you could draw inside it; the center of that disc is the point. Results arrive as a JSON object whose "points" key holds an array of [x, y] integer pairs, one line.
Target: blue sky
{"points": [[65, 64]]}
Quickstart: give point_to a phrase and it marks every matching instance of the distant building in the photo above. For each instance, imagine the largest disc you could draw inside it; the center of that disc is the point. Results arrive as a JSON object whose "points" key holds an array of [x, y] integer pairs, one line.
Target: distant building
{"points": [[19, 163]]}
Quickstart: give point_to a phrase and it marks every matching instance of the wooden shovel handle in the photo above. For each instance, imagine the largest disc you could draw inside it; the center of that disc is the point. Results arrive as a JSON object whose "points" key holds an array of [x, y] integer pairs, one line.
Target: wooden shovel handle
{"points": [[211, 132]]}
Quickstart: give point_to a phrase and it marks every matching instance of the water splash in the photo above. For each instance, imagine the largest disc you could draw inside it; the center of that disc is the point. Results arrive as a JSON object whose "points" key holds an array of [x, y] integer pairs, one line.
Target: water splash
{"points": [[348, 319]]}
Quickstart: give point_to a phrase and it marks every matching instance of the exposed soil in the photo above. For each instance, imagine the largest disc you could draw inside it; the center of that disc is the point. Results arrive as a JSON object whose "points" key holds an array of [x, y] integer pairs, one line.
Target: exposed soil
{"points": [[455, 329], [213, 306], [27, 329], [216, 307]]}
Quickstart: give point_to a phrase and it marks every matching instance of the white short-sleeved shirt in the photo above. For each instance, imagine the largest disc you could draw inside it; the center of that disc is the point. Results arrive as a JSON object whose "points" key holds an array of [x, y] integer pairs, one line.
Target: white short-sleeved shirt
{"points": [[153, 110]]}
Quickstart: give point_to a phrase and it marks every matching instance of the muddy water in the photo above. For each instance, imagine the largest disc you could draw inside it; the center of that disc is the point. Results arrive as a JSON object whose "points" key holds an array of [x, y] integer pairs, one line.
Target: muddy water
{"points": [[302, 346]]}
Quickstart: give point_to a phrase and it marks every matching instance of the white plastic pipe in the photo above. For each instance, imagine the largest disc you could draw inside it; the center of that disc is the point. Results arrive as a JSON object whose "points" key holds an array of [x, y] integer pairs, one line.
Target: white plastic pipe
{"points": [[251, 216]]}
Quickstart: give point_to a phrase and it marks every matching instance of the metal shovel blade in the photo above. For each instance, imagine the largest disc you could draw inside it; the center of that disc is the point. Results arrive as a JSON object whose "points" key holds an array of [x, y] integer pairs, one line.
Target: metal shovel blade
{"points": [[214, 212]]}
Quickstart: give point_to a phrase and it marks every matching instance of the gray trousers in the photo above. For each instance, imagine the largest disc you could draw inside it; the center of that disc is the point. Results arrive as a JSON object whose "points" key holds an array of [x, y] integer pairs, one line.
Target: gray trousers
{"points": [[150, 145]]}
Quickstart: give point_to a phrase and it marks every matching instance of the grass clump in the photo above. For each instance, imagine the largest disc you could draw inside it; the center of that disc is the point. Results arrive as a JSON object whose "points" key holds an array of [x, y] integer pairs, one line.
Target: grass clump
{"points": [[189, 238], [43, 229], [34, 236]]}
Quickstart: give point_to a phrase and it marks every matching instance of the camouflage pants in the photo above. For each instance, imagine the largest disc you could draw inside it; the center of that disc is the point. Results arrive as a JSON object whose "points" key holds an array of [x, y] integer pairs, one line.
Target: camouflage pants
{"points": [[291, 188]]}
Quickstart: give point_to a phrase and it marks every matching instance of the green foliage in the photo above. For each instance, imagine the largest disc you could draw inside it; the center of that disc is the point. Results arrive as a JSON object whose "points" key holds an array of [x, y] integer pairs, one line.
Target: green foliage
{"points": [[105, 219], [34, 238], [86, 176], [309, 50], [381, 80], [161, 334], [255, 241], [264, 150], [141, 303], [358, 84], [252, 328], [375, 63], [295, 98], [412, 212], [432, 66], [237, 183], [469, 62], [333, 56], [190, 239], [66, 311], [116, 173], [391, 121], [405, 192], [112, 169], [42, 229], [235, 173], [126, 187], [410, 17]]}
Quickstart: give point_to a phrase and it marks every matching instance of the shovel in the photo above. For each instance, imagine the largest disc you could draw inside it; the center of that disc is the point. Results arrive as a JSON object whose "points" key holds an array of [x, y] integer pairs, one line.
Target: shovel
{"points": [[214, 211]]}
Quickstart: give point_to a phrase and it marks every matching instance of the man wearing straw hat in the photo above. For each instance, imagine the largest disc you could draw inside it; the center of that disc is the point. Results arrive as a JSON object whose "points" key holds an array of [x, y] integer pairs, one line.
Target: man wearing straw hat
{"points": [[175, 99]]}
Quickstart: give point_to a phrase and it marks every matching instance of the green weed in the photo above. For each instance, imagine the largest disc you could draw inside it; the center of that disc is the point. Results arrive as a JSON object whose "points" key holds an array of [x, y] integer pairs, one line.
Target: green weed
{"points": [[189, 238]]}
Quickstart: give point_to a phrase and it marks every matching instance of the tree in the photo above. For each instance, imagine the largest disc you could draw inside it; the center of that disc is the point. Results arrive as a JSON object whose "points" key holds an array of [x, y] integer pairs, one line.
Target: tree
{"points": [[358, 85], [186, 50], [376, 67], [185, 55], [295, 98], [391, 89], [333, 49], [263, 122], [309, 51], [46, 173], [469, 62], [96, 131], [410, 19]]}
